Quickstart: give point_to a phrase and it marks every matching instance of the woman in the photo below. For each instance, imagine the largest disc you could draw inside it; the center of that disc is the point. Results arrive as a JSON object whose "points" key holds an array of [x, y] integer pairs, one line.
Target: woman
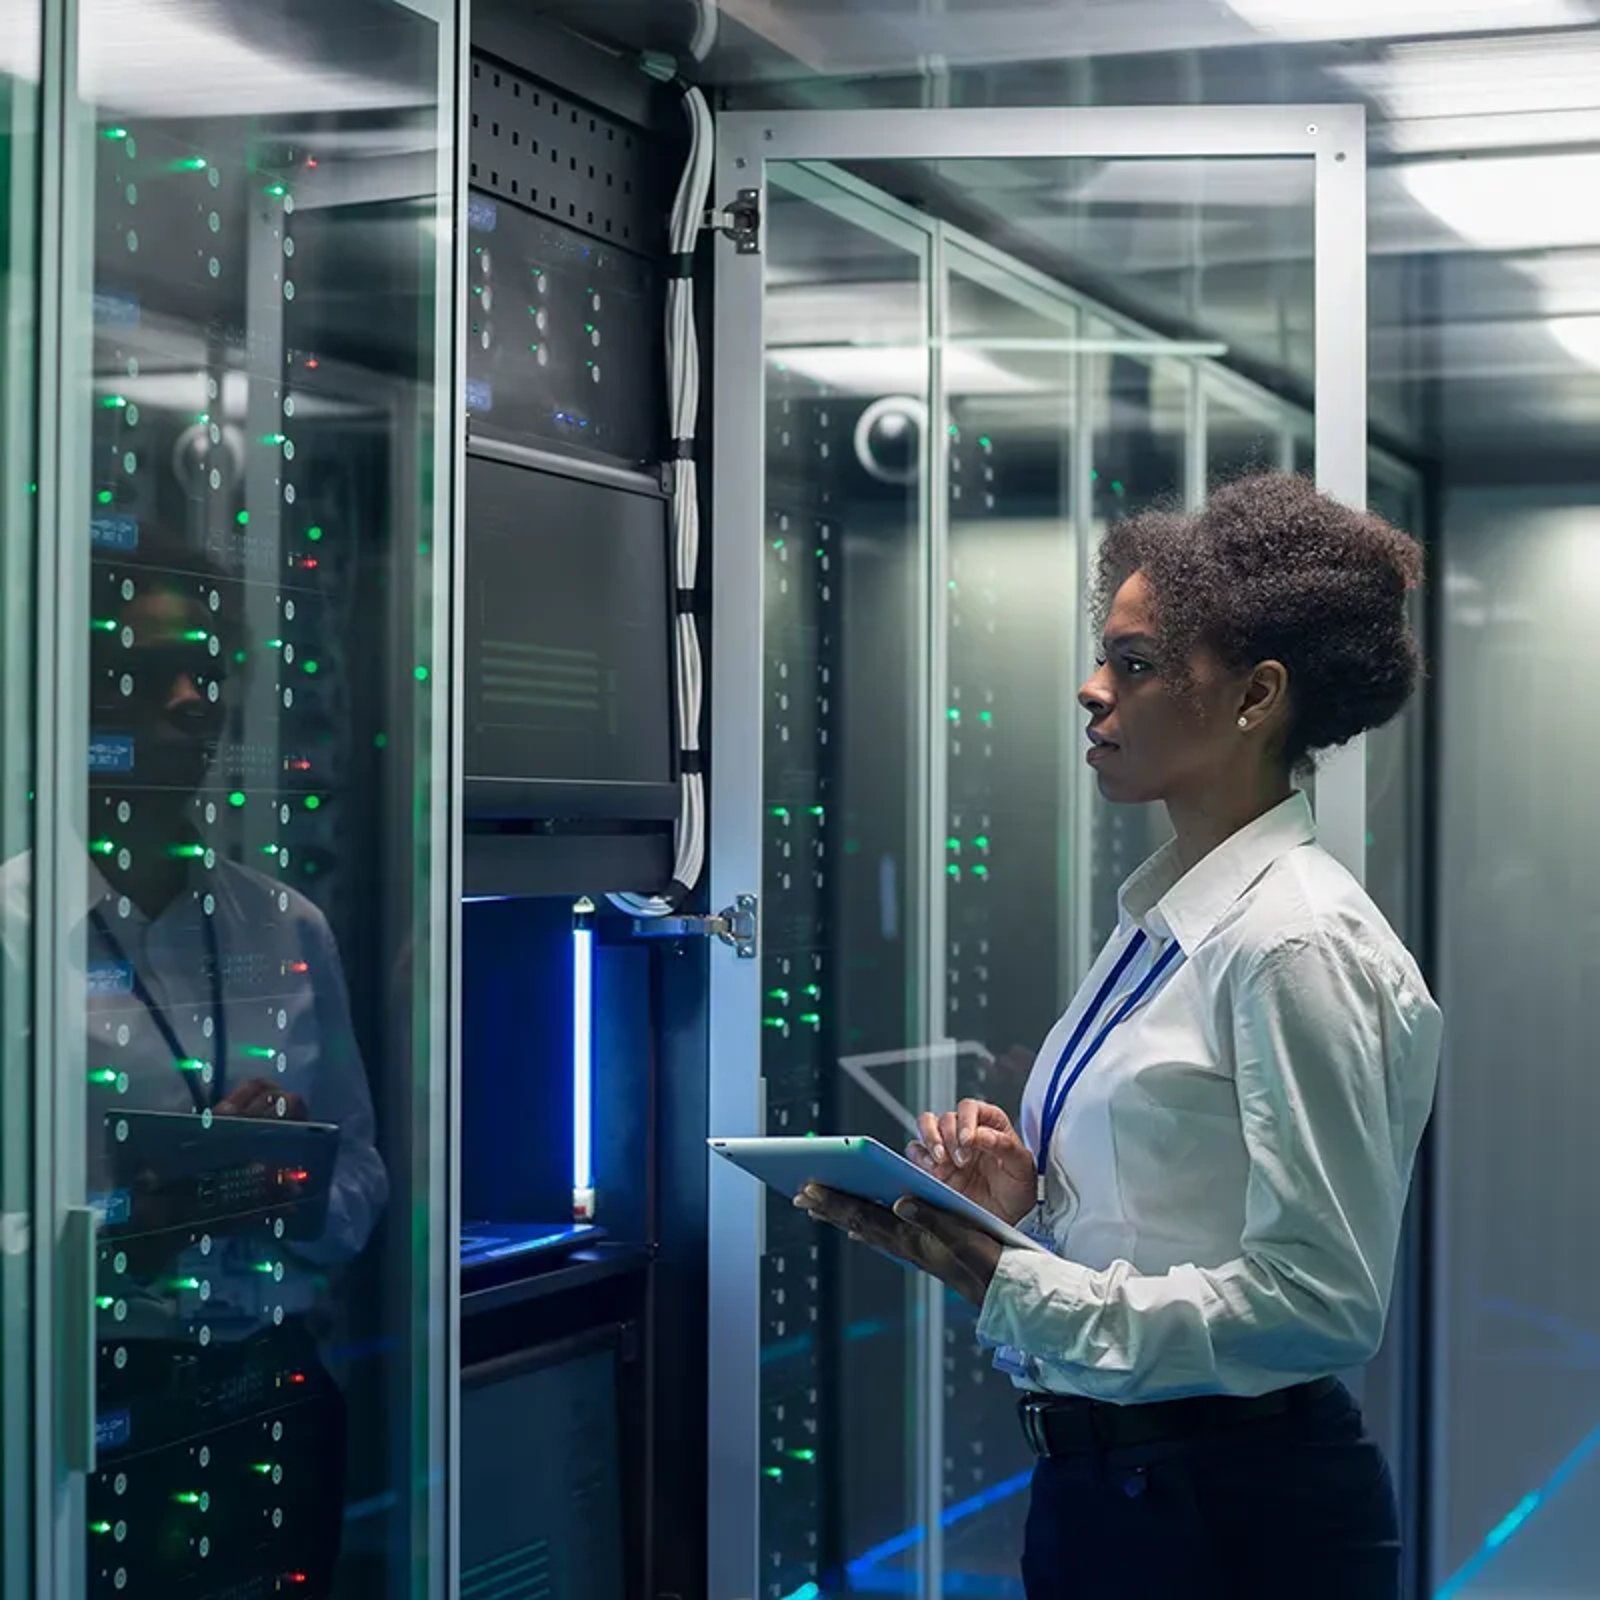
{"points": [[1218, 1136]]}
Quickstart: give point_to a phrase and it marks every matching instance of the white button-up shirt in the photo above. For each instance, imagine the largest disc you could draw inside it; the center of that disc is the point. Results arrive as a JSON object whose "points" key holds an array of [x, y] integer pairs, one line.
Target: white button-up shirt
{"points": [[1226, 1184]]}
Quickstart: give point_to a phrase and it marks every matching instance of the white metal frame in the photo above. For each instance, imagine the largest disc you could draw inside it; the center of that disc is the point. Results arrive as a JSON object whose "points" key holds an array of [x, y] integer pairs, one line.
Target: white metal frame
{"points": [[1333, 137]]}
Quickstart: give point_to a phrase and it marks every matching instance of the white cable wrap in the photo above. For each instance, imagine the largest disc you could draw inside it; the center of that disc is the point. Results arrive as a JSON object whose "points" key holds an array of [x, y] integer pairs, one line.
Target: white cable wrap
{"points": [[683, 406]]}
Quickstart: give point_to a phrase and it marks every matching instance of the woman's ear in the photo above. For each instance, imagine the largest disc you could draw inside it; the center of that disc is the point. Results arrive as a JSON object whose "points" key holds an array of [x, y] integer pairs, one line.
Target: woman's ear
{"points": [[1265, 700]]}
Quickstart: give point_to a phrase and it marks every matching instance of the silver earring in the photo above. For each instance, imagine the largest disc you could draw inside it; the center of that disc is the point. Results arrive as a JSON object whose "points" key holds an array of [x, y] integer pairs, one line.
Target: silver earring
{"points": [[1244, 722]]}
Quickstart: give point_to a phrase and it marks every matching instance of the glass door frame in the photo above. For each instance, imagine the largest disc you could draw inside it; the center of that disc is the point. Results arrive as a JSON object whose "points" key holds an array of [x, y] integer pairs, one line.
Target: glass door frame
{"points": [[1334, 138], [64, 1256]]}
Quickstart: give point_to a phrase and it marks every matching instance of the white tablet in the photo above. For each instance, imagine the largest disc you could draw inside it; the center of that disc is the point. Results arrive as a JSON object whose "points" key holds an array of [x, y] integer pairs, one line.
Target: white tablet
{"points": [[861, 1167]]}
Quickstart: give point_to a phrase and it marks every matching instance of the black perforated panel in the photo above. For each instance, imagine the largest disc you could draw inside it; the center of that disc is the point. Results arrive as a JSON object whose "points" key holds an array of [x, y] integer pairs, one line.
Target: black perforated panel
{"points": [[536, 146]]}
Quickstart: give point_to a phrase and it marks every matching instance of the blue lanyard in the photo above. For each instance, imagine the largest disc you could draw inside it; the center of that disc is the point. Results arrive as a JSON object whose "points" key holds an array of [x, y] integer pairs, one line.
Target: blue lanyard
{"points": [[164, 1024], [1055, 1099]]}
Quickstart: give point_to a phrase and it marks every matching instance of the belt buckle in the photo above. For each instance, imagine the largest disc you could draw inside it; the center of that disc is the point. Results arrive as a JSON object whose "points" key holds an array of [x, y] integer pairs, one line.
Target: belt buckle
{"points": [[1033, 1425]]}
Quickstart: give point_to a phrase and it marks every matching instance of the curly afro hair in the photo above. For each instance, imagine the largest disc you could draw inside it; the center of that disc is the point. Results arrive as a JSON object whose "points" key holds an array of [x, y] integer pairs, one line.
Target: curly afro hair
{"points": [[1273, 570]]}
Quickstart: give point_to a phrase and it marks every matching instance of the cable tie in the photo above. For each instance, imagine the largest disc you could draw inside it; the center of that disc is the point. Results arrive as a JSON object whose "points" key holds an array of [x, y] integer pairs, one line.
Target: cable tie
{"points": [[681, 265], [682, 450], [689, 763]]}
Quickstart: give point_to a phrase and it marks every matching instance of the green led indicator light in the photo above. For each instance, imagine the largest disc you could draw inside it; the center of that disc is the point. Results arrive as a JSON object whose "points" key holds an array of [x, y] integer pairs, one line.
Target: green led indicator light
{"points": [[113, 402], [104, 1302], [239, 657], [980, 872], [781, 813], [819, 811], [588, 327], [243, 519], [313, 802], [775, 1472], [274, 644], [103, 1076], [1116, 486], [1094, 475], [276, 190], [104, 497], [820, 552], [774, 1022], [236, 799], [186, 852], [269, 849], [273, 438], [986, 716], [811, 1019], [803, 1455], [311, 667], [190, 164], [99, 1527], [955, 432], [952, 586], [954, 713], [780, 995], [188, 1499], [113, 133], [202, 416], [953, 844], [314, 534], [777, 544], [811, 991], [982, 841], [420, 674], [381, 741], [194, 635], [263, 1467], [190, 1064], [986, 442], [267, 1267], [103, 625], [258, 1052], [187, 1283], [954, 871], [101, 847]]}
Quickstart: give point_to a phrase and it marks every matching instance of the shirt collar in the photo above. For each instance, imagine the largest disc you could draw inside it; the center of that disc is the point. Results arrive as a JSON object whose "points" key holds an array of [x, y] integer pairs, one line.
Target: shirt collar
{"points": [[1187, 906]]}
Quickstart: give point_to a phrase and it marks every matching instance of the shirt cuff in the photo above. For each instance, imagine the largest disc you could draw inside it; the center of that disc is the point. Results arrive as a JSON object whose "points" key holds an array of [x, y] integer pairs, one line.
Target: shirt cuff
{"points": [[1018, 1296]]}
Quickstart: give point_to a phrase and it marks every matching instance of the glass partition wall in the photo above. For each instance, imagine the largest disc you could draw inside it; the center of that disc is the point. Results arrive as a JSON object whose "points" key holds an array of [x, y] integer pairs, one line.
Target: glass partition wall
{"points": [[247, 799], [949, 432]]}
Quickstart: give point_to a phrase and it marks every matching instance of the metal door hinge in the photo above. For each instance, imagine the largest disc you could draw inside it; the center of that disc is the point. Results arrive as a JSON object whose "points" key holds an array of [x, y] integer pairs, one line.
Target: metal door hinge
{"points": [[741, 222], [738, 927]]}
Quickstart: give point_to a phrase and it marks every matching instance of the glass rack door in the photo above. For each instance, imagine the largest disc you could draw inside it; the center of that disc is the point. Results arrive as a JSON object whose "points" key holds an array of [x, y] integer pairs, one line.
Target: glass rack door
{"points": [[20, 52], [965, 430], [252, 550]]}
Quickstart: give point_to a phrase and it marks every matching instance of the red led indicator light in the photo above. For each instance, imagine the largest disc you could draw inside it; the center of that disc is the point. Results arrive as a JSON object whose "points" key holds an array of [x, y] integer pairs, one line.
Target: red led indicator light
{"points": [[299, 966], [312, 363], [296, 1175], [297, 1378]]}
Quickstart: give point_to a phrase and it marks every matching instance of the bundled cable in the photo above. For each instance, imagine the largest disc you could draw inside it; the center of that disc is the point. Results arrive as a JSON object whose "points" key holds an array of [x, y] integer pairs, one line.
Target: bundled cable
{"points": [[683, 404]]}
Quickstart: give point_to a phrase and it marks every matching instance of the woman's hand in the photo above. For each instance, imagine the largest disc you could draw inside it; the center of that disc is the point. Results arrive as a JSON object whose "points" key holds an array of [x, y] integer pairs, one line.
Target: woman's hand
{"points": [[955, 1252], [979, 1154]]}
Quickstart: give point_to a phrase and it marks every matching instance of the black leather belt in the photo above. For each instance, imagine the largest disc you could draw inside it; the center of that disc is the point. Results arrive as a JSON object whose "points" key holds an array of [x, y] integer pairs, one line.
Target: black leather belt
{"points": [[1065, 1425]]}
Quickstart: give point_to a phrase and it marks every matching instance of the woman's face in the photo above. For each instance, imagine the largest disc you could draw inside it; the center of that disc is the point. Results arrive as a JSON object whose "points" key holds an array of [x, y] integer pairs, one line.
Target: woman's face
{"points": [[1147, 742]]}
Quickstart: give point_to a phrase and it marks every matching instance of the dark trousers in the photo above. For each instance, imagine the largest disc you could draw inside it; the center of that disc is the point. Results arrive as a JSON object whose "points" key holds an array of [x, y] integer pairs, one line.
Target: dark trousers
{"points": [[1294, 1507]]}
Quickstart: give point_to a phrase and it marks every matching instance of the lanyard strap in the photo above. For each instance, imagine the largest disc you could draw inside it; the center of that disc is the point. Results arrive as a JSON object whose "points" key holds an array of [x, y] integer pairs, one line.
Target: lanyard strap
{"points": [[1055, 1101], [163, 1023]]}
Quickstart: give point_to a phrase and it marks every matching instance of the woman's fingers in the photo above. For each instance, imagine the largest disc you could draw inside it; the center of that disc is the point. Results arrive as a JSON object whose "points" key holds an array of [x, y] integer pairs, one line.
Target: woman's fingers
{"points": [[928, 1127]]}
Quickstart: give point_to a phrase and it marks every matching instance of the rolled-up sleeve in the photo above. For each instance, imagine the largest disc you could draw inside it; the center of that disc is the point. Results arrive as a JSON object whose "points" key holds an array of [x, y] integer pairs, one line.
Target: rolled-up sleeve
{"points": [[1324, 1036]]}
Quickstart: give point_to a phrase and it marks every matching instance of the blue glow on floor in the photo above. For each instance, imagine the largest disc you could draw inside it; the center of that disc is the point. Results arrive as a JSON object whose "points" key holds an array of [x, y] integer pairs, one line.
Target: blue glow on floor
{"points": [[861, 1567], [977, 1585], [1495, 1540], [806, 1591]]}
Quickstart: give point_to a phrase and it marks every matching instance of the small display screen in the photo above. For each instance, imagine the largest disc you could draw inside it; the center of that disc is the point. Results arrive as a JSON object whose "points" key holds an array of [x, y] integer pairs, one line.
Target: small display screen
{"points": [[541, 1482], [568, 677]]}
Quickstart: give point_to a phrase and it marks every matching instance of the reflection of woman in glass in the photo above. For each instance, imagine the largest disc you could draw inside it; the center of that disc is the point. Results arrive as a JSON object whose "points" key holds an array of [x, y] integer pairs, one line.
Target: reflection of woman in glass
{"points": [[216, 994], [1218, 1136]]}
